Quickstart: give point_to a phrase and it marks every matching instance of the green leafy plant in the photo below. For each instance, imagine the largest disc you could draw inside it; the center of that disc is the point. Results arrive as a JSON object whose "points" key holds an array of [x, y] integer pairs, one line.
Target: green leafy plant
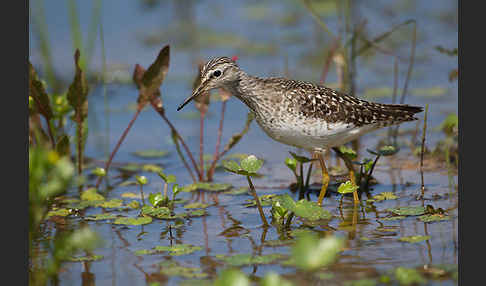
{"points": [[299, 161], [141, 181], [311, 252], [248, 167]]}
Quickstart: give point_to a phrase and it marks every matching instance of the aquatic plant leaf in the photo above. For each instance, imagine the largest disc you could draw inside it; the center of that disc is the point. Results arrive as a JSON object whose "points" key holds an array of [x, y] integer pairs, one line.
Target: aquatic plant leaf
{"points": [[242, 259], [152, 168], [141, 180], [404, 211], [133, 205], [212, 187], [388, 150], [197, 213], [291, 163], [348, 152], [133, 221], [310, 252], [414, 238], [85, 258], [175, 250], [113, 203], [154, 76], [231, 166], [383, 196], [399, 217], [274, 279], [251, 164], [78, 92], [301, 159], [151, 153], [156, 198], [265, 200], [409, 276], [347, 188], [158, 212], [238, 191], [102, 216], [172, 268], [433, 217], [196, 205], [233, 277], [362, 282], [100, 172], [167, 178], [450, 124], [39, 94], [131, 195], [91, 194], [58, 212], [303, 208]]}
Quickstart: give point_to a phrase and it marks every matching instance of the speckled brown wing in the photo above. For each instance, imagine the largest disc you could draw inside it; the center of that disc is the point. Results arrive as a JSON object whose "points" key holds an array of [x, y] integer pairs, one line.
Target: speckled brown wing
{"points": [[321, 102]]}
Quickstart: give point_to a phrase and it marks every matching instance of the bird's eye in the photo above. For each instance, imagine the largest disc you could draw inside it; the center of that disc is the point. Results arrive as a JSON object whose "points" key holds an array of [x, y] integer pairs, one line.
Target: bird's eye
{"points": [[217, 73]]}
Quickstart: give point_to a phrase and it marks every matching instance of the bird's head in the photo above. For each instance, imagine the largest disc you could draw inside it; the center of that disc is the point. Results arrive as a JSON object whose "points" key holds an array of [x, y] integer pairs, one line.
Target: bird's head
{"points": [[216, 73]]}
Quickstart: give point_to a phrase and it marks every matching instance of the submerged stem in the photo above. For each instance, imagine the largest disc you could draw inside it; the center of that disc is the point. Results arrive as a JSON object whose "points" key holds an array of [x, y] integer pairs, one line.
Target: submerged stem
{"points": [[422, 151]]}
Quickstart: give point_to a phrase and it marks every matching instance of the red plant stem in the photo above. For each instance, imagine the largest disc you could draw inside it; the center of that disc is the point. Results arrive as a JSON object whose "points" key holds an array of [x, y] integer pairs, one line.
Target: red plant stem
{"points": [[108, 163], [218, 143], [257, 200], [201, 145], [157, 105]]}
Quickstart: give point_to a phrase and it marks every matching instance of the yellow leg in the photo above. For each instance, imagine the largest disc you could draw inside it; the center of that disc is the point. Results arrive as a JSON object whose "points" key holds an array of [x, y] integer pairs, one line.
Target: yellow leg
{"points": [[352, 176], [325, 179]]}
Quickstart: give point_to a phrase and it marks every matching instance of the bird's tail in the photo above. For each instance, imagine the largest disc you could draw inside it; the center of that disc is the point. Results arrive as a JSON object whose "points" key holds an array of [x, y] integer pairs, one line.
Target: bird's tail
{"points": [[401, 112]]}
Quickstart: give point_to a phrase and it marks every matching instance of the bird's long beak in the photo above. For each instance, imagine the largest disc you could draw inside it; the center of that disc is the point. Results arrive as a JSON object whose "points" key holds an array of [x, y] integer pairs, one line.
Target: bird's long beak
{"points": [[195, 94]]}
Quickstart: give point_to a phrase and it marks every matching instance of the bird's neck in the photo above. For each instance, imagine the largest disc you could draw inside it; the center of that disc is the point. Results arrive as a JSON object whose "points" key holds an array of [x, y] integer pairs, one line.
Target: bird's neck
{"points": [[246, 88]]}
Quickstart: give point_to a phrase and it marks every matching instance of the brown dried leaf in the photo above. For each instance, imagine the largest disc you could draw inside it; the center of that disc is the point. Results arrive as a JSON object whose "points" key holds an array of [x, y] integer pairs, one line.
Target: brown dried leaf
{"points": [[78, 92], [138, 73], [39, 94], [154, 76]]}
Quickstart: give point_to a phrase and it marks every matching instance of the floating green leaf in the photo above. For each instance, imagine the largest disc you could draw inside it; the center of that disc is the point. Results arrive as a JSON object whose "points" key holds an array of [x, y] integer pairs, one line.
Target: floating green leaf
{"points": [[433, 217], [201, 186], [100, 172], [133, 205], [172, 268], [151, 168], [151, 153], [303, 208], [102, 216], [114, 203], [233, 277], [91, 194], [131, 195], [238, 191], [310, 252], [133, 221], [418, 210], [196, 205], [248, 259], [347, 188], [408, 276], [86, 258], [383, 196], [58, 212], [158, 212], [265, 200], [274, 279], [414, 238], [399, 217], [174, 250]]}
